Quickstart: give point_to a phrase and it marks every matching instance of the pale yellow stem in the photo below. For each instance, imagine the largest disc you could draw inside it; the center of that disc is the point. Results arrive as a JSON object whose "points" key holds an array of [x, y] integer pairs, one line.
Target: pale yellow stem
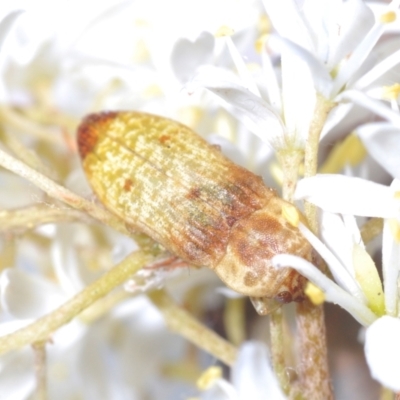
{"points": [[371, 229], [41, 329], [22, 219], [183, 323], [234, 320], [59, 192], [313, 368], [40, 364], [28, 156], [290, 159], [311, 152], [277, 334], [20, 122], [387, 394]]}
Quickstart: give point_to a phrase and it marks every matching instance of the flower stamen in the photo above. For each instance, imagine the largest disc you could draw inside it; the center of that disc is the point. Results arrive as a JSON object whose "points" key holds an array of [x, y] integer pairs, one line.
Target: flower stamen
{"points": [[314, 293], [391, 92], [208, 377], [388, 17]]}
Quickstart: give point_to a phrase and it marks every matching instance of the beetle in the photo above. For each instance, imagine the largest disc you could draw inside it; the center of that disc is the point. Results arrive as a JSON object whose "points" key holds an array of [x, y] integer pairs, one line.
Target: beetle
{"points": [[166, 181]]}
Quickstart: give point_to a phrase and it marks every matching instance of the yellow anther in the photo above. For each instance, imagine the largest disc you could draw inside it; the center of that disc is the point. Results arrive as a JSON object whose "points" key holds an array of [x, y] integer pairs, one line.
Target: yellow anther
{"points": [[260, 42], [264, 24], [314, 293], [152, 91], [141, 52], [208, 377], [388, 17], [290, 213], [350, 151], [224, 31], [391, 92]]}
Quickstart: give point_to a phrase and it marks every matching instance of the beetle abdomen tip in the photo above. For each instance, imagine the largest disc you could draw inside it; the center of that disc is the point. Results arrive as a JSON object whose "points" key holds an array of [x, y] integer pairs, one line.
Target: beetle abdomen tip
{"points": [[90, 128]]}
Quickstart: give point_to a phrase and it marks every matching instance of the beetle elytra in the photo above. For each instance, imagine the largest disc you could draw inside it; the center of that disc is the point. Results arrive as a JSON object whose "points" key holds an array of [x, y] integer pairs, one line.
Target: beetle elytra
{"points": [[164, 180]]}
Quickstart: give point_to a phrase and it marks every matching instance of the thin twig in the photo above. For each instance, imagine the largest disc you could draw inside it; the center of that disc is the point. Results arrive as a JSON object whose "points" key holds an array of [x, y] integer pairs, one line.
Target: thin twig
{"points": [[22, 219], [290, 159], [28, 156], [42, 328], [372, 228], [40, 363], [24, 124], [183, 323], [59, 192], [314, 371]]}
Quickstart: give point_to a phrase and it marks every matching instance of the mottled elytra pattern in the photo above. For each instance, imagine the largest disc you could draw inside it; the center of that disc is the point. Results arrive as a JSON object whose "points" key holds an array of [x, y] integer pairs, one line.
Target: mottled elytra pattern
{"points": [[166, 181]]}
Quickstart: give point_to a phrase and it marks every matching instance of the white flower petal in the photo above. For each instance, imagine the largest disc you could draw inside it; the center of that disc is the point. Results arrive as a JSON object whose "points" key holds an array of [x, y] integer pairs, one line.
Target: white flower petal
{"points": [[375, 106], [228, 293], [337, 238], [339, 114], [6, 24], [390, 263], [378, 70], [13, 325], [357, 57], [288, 22], [382, 351], [252, 375], [354, 21], [241, 67], [333, 292], [258, 116], [17, 380], [221, 390], [188, 55], [343, 273], [298, 95], [382, 141], [271, 83], [348, 195], [320, 75], [28, 296], [70, 265]]}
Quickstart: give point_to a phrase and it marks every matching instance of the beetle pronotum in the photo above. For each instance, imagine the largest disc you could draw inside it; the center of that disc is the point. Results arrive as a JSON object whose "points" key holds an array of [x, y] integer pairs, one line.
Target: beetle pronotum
{"points": [[164, 180]]}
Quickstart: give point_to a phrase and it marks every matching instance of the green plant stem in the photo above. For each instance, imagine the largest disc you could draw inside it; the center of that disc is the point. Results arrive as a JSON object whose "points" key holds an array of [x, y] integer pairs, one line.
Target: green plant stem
{"points": [[313, 368], [183, 323], [41, 329], [40, 363]]}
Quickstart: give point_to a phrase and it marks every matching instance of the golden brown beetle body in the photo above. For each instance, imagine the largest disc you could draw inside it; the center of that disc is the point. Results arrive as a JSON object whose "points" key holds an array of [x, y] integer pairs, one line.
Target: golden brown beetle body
{"points": [[168, 182]]}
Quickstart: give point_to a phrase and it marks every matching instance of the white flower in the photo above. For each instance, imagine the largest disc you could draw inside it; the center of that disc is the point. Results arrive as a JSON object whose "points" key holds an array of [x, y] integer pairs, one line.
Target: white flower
{"points": [[382, 351], [351, 264], [358, 288], [277, 121], [348, 195], [251, 377], [381, 140], [323, 46], [105, 357]]}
